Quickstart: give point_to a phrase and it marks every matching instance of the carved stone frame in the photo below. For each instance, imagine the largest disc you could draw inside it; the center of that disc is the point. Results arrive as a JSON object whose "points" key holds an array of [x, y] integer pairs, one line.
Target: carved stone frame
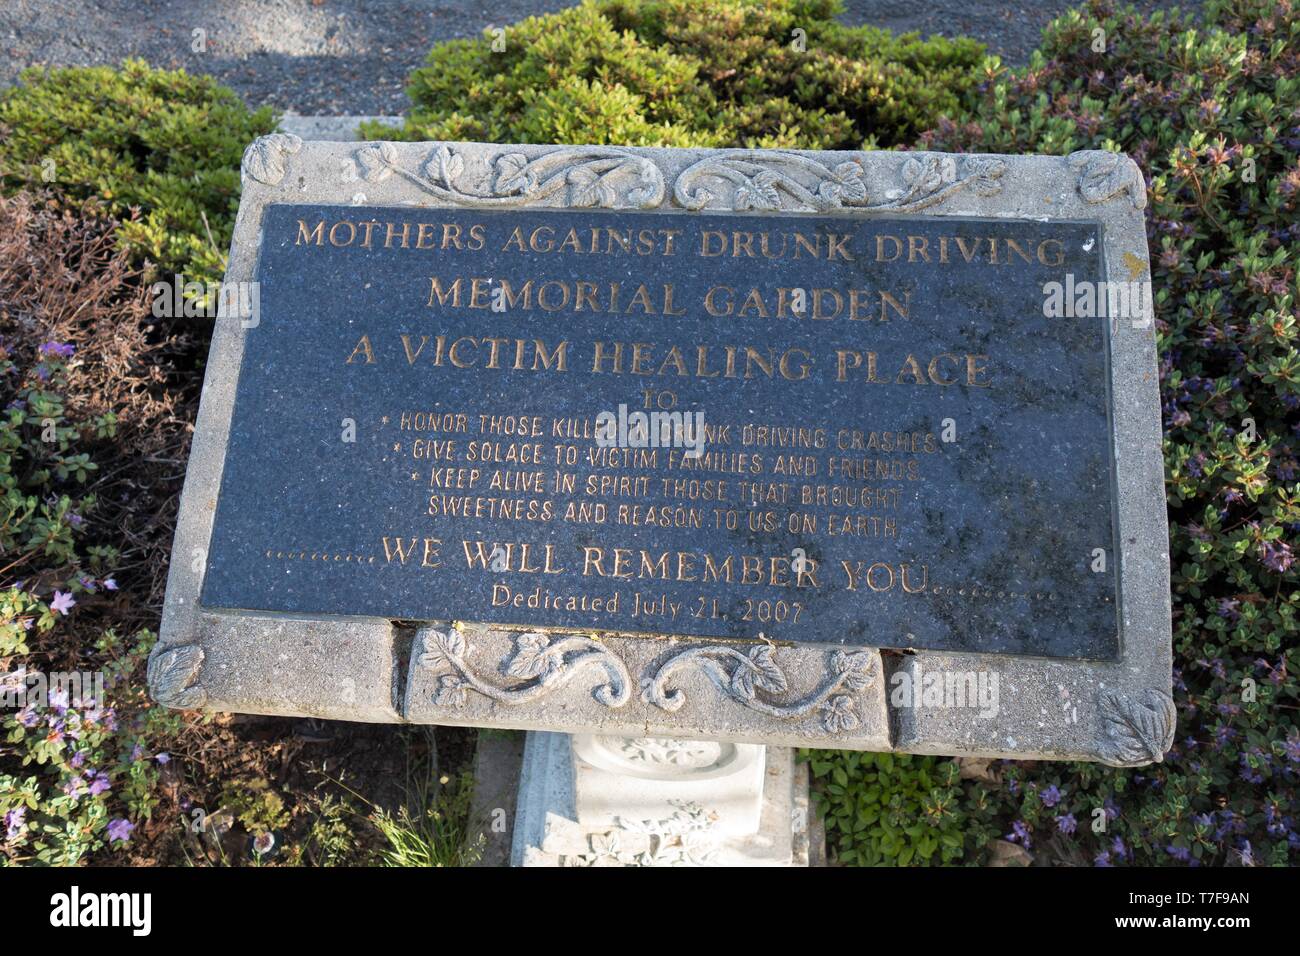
{"points": [[802, 695]]}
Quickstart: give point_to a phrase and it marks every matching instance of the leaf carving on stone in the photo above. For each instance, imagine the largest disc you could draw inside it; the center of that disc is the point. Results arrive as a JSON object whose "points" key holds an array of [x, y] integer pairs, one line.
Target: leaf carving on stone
{"points": [[759, 193], [839, 715], [928, 175], [173, 675], [1138, 730], [513, 175], [1104, 175], [445, 166], [265, 158], [451, 691], [377, 161], [855, 666], [768, 180], [651, 188], [985, 173], [752, 679], [934, 177], [757, 671], [586, 176], [846, 184], [533, 657], [688, 837], [588, 189], [538, 663], [442, 650], [744, 180]]}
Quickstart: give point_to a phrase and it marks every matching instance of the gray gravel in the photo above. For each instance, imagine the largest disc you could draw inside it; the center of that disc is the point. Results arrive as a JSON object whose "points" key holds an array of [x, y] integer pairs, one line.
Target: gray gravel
{"points": [[350, 56], [1011, 30], [309, 56]]}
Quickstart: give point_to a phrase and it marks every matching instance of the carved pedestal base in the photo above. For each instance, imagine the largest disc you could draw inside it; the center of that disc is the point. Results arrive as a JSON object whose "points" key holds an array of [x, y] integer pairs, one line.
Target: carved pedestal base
{"points": [[588, 800]]}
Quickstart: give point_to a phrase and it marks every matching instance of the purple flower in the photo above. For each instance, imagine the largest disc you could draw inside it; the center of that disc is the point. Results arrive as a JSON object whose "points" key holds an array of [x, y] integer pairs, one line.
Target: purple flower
{"points": [[63, 603], [99, 784], [1020, 834], [110, 584], [1051, 796], [119, 830], [163, 758], [61, 349], [1277, 555], [1067, 824], [1293, 747], [14, 822]]}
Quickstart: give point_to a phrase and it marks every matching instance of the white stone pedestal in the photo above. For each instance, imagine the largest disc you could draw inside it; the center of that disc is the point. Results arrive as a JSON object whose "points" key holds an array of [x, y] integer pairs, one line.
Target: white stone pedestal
{"points": [[587, 800]]}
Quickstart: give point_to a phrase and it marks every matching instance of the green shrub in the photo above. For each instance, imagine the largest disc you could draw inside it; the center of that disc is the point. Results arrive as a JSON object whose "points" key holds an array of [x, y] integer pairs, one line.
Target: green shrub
{"points": [[1213, 117], [896, 809], [689, 73], [165, 143]]}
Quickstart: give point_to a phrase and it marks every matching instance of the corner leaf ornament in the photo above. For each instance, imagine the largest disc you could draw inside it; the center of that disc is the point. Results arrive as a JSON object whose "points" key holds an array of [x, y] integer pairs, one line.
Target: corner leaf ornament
{"points": [[1138, 730], [266, 157], [539, 665], [585, 176], [1104, 175], [752, 678], [173, 675]]}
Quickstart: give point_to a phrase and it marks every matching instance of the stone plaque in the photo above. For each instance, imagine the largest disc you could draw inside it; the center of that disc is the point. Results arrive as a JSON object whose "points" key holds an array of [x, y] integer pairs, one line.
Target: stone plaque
{"points": [[809, 428], [675, 442]]}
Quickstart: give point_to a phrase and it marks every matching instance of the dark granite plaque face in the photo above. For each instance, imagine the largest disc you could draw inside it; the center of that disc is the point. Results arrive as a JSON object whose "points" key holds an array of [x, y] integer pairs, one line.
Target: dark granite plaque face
{"points": [[898, 448]]}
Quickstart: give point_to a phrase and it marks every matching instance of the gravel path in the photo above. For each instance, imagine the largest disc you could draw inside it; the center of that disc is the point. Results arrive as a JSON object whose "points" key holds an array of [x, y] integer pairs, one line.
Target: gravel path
{"points": [[351, 56]]}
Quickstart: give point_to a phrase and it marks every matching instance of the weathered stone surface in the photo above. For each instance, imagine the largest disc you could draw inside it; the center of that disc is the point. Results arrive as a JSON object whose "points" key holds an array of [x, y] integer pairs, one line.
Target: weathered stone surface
{"points": [[341, 668], [633, 686], [647, 778], [714, 805], [282, 661]]}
